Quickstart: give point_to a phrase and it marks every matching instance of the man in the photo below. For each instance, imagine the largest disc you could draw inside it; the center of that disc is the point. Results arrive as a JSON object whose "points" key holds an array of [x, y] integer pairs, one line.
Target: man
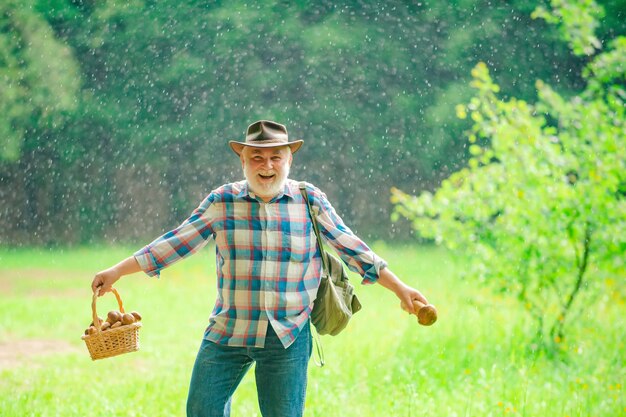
{"points": [[268, 271]]}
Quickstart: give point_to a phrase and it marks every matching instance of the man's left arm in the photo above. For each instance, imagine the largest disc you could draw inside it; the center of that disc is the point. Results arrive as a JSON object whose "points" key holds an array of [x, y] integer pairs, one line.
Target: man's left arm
{"points": [[358, 256], [405, 293]]}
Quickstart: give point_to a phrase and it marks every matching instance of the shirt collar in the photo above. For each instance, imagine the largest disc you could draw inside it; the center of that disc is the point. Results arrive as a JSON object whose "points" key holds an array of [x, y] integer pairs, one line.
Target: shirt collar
{"points": [[246, 192]]}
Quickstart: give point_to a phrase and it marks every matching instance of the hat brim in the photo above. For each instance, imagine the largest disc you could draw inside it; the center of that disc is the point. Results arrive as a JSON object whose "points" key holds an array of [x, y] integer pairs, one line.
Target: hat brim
{"points": [[237, 147]]}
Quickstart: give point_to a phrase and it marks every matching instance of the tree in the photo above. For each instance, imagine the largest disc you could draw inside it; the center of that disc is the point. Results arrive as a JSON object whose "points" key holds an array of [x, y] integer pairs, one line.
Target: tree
{"points": [[540, 210], [38, 76], [161, 86]]}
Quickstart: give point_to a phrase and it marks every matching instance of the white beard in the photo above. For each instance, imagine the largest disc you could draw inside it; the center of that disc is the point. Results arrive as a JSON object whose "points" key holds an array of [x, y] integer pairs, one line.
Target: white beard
{"points": [[267, 189]]}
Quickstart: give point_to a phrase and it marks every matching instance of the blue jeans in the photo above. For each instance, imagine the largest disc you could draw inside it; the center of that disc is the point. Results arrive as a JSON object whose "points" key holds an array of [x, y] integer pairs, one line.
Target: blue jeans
{"points": [[281, 376]]}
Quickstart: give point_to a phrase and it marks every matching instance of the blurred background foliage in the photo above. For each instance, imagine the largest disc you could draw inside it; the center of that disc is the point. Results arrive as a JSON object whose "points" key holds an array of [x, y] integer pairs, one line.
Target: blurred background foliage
{"points": [[115, 115]]}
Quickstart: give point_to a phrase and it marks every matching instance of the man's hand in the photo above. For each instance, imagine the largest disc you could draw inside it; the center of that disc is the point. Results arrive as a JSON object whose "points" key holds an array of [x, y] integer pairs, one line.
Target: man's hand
{"points": [[408, 295], [105, 279], [405, 293]]}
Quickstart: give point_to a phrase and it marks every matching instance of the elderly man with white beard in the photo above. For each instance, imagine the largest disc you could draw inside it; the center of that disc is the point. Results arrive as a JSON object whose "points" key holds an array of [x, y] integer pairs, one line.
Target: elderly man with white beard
{"points": [[268, 273]]}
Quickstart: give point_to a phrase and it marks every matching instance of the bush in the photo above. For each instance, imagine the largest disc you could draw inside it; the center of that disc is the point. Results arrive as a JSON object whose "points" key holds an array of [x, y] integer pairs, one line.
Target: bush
{"points": [[540, 210]]}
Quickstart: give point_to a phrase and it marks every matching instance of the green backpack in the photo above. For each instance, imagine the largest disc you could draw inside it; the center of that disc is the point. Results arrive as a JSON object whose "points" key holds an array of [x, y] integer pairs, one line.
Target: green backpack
{"points": [[335, 302]]}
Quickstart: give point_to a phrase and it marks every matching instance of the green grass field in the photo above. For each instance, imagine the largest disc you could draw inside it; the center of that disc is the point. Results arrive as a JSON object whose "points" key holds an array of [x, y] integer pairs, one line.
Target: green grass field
{"points": [[473, 362]]}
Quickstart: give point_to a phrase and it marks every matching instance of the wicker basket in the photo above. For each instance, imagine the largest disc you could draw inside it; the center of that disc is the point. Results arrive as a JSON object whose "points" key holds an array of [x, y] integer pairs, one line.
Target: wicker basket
{"points": [[112, 342]]}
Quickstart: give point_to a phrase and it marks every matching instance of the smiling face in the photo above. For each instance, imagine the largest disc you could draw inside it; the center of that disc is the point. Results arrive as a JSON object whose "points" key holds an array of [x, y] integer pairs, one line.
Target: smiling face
{"points": [[266, 169]]}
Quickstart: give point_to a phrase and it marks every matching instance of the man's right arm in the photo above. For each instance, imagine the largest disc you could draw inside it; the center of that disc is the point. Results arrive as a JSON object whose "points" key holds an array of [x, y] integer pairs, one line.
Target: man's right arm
{"points": [[105, 279], [171, 247]]}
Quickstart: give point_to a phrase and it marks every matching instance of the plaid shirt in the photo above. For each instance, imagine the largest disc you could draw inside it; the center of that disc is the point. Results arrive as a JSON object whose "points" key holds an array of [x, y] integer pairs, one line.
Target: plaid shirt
{"points": [[268, 262]]}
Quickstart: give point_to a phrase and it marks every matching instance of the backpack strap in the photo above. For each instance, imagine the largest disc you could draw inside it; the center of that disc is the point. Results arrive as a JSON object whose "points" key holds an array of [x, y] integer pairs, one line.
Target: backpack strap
{"points": [[318, 343], [305, 195]]}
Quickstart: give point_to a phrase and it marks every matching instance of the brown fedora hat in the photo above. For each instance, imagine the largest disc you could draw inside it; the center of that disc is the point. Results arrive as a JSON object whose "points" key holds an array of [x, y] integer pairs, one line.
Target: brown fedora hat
{"points": [[266, 134]]}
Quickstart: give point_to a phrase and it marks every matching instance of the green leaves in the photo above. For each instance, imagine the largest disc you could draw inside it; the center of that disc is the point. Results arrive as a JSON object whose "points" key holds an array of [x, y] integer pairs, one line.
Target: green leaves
{"points": [[577, 20], [39, 78], [542, 196]]}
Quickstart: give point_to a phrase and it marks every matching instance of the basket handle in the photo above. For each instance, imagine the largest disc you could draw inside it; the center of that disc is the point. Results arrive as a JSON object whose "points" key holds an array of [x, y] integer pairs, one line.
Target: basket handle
{"points": [[93, 305]]}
